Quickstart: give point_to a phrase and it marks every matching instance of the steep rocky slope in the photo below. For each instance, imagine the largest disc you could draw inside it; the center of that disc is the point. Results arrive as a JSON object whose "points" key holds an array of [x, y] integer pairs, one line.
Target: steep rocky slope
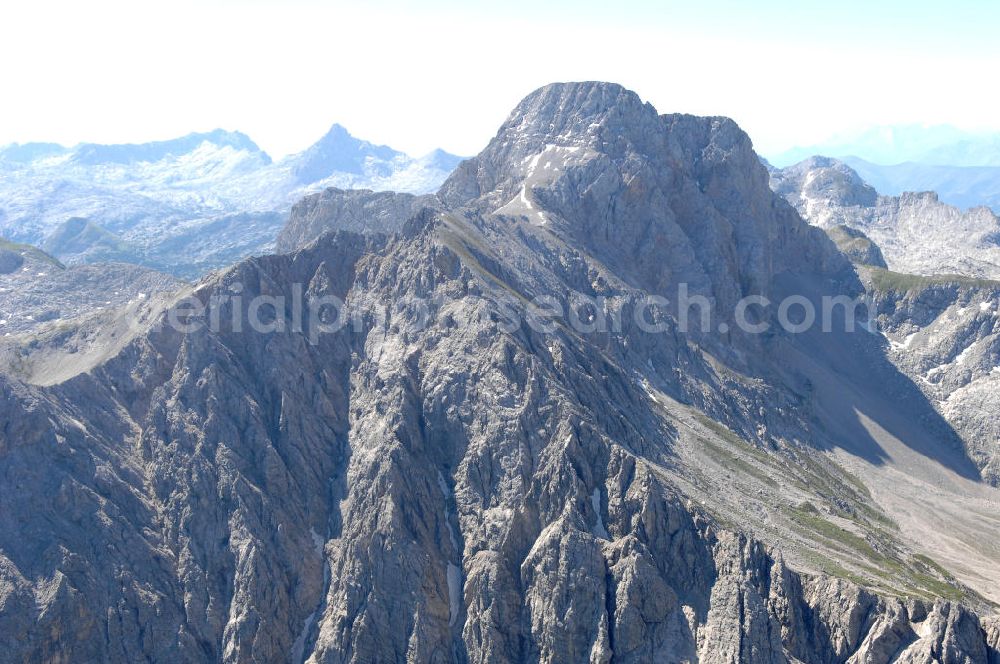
{"points": [[446, 480], [941, 329], [917, 233], [186, 205]]}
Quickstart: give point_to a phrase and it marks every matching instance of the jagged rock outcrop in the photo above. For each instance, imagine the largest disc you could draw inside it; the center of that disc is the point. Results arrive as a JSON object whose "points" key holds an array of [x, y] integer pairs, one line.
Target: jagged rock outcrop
{"points": [[857, 246], [439, 480], [358, 210], [917, 233]]}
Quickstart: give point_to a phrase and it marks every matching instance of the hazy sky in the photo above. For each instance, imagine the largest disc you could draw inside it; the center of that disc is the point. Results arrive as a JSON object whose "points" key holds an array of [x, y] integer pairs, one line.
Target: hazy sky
{"points": [[445, 74]]}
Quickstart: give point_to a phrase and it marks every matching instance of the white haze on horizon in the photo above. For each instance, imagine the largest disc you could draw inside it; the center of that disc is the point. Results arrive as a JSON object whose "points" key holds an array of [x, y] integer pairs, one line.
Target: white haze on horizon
{"points": [[419, 77]]}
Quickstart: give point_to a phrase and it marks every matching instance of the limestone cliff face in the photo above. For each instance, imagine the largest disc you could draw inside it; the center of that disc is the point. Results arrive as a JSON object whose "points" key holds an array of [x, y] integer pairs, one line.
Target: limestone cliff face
{"points": [[663, 198], [353, 210], [432, 483]]}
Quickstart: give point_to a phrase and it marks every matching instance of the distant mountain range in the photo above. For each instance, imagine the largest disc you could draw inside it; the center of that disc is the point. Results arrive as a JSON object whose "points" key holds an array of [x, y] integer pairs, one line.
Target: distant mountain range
{"points": [[963, 168], [962, 186], [186, 205], [896, 144]]}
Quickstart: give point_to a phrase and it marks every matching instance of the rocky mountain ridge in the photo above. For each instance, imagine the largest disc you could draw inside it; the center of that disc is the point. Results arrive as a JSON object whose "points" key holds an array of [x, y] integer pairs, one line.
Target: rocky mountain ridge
{"points": [[961, 186], [438, 483]]}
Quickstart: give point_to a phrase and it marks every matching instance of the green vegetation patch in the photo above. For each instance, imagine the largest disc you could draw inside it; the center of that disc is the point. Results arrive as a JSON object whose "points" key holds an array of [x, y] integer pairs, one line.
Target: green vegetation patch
{"points": [[807, 516], [734, 463], [885, 280], [29, 251]]}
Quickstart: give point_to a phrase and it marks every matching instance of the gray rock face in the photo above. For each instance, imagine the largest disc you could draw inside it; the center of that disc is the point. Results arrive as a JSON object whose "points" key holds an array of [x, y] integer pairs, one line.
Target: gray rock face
{"points": [[917, 233], [940, 328], [433, 484], [945, 334], [588, 161], [356, 210]]}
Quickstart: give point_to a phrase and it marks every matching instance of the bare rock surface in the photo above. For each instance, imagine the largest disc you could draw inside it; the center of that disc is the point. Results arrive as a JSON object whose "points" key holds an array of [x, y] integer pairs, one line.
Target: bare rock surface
{"points": [[934, 298], [857, 246], [358, 210], [945, 334]]}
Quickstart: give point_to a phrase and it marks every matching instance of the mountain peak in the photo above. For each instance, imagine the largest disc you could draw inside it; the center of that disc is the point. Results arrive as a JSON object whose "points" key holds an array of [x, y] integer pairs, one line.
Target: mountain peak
{"points": [[338, 130], [506, 398], [594, 164], [338, 152], [567, 119], [825, 178], [339, 136], [224, 138], [440, 159], [576, 111], [581, 96], [128, 153]]}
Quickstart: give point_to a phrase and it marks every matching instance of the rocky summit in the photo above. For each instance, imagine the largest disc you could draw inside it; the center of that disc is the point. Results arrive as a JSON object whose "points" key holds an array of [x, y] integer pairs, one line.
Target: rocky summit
{"points": [[481, 428]]}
